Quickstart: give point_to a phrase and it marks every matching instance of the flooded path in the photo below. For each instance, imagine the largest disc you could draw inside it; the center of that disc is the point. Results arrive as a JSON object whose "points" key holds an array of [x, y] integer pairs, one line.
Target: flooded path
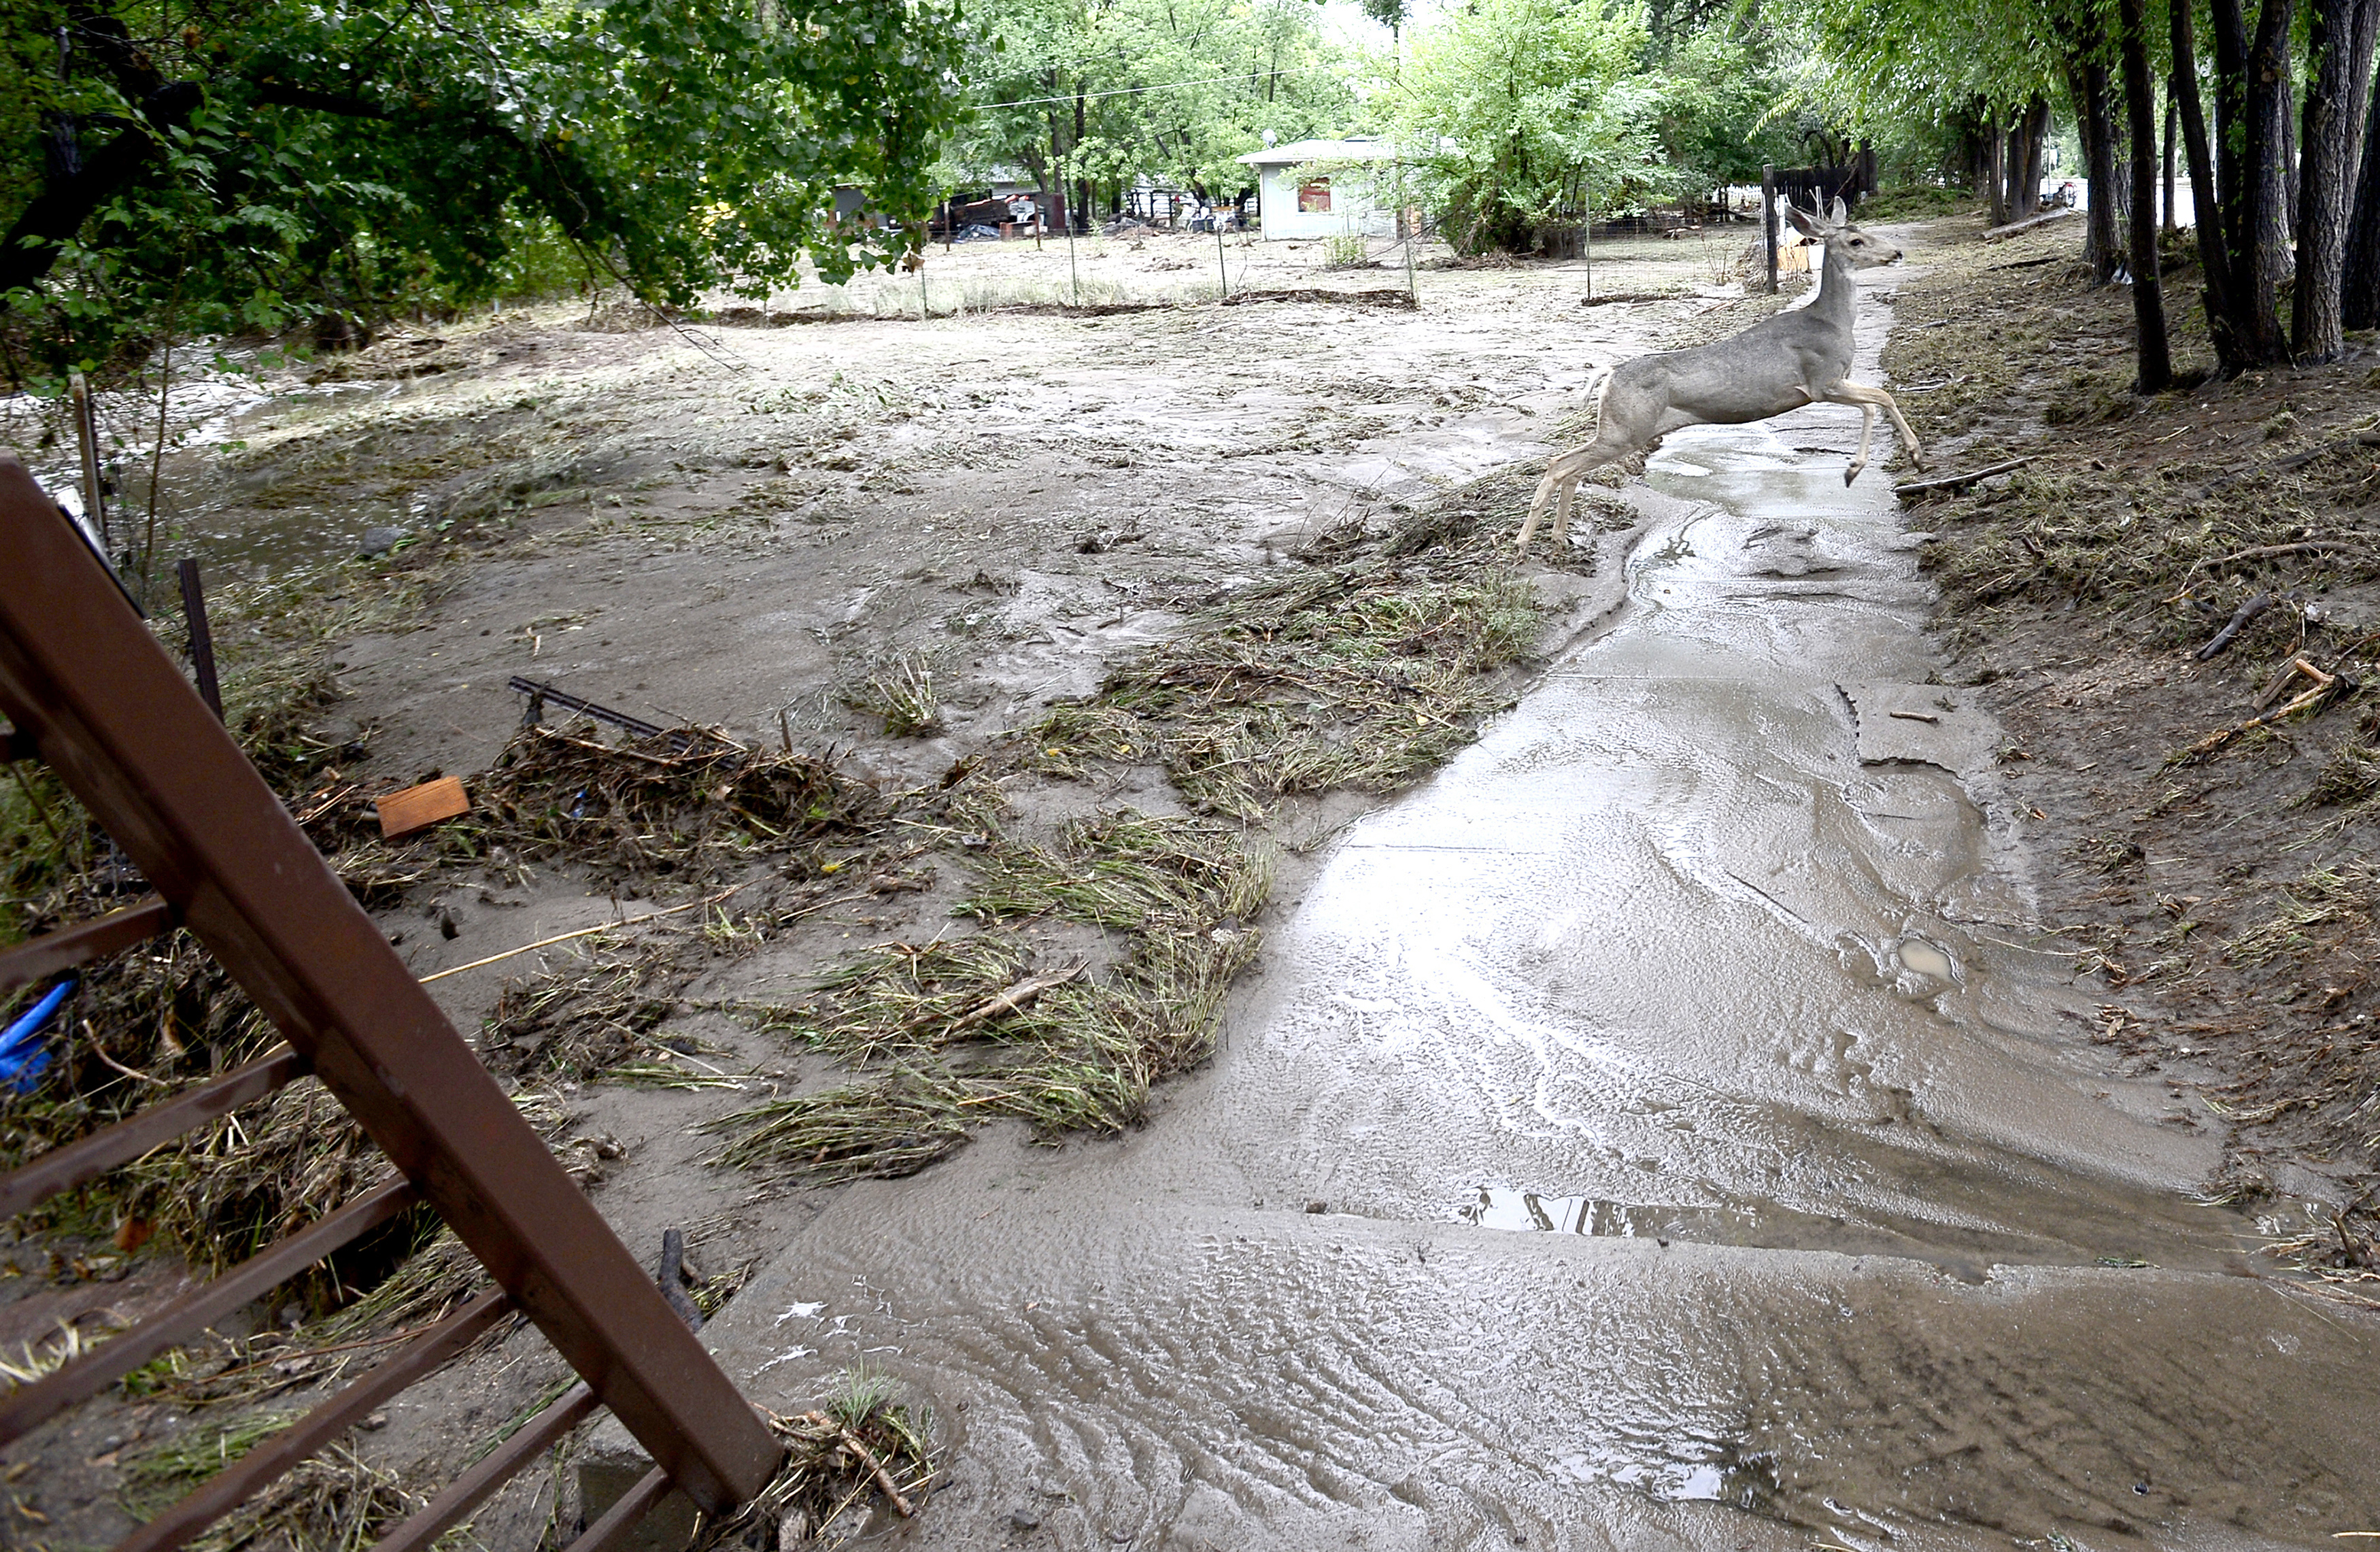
{"points": [[1654, 1132]]}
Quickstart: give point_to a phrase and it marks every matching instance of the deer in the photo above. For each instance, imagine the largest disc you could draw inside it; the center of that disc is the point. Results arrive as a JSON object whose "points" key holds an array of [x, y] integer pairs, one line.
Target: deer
{"points": [[1800, 357]]}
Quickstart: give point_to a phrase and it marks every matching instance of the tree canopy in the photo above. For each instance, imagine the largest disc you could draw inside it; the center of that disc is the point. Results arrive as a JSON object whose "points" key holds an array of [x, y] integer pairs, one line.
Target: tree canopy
{"points": [[1175, 89], [234, 165], [1527, 115]]}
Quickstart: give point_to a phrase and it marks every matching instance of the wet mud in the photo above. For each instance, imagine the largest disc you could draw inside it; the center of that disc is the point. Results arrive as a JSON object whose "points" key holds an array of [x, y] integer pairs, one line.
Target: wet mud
{"points": [[1670, 1127]]}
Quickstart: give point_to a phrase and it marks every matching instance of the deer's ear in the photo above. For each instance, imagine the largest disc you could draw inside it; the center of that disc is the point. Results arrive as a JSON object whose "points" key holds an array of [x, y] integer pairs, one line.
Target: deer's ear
{"points": [[1838, 216], [1801, 220]]}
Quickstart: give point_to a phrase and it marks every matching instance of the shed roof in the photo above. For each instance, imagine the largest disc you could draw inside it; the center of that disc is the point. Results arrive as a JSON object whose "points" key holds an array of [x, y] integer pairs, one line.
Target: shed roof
{"points": [[1356, 148]]}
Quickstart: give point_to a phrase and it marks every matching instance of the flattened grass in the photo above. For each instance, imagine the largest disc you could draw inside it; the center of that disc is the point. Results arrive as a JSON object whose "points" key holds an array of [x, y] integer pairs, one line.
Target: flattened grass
{"points": [[968, 1029], [1366, 670]]}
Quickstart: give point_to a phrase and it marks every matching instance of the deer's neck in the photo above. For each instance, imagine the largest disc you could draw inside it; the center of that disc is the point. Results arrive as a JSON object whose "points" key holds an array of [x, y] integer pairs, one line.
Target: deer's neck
{"points": [[1834, 301]]}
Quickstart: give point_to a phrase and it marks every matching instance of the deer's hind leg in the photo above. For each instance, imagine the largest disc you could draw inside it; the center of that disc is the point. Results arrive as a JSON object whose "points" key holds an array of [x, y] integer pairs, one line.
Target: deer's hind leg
{"points": [[1560, 487]]}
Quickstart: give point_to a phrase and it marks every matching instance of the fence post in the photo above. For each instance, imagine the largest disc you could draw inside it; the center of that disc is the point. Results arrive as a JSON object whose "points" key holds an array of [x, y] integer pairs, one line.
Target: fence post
{"points": [[1768, 221]]}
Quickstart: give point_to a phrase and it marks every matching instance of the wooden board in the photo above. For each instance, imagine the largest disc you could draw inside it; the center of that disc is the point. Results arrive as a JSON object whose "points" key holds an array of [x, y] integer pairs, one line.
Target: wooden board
{"points": [[402, 813]]}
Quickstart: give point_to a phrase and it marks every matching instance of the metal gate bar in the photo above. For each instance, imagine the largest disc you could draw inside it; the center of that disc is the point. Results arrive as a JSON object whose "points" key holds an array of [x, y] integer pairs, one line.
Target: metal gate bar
{"points": [[91, 692]]}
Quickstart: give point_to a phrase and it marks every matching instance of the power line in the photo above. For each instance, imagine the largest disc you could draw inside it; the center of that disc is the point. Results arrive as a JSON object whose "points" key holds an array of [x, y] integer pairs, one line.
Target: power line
{"points": [[1169, 85]]}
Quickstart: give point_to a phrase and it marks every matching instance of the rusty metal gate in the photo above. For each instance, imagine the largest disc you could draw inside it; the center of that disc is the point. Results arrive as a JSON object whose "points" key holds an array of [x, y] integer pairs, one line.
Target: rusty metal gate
{"points": [[89, 691]]}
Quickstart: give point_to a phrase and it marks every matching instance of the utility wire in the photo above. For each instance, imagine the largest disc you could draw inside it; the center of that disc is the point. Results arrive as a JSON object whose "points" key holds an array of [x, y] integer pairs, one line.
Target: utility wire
{"points": [[1169, 85]]}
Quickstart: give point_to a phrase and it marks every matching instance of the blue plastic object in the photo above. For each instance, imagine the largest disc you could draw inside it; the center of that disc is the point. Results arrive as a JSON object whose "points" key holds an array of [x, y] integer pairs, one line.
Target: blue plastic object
{"points": [[23, 1054]]}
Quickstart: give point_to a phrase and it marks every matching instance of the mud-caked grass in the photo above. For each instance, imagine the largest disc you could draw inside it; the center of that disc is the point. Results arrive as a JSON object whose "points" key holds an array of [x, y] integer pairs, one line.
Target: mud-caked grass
{"points": [[969, 1028], [863, 1444], [334, 1501], [2207, 497], [651, 810], [902, 693], [1364, 670], [585, 1022]]}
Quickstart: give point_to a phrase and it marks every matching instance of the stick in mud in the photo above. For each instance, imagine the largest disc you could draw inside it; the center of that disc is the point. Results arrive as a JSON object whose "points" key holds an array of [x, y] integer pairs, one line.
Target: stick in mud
{"points": [[1960, 481], [2240, 622], [203, 643]]}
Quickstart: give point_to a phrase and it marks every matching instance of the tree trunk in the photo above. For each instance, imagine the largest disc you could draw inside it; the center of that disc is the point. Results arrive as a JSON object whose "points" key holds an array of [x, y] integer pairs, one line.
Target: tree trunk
{"points": [[2230, 133], [2140, 107], [2360, 278], [1997, 192], [2341, 36], [2264, 224], [2102, 243], [2205, 201], [2023, 172], [2167, 222]]}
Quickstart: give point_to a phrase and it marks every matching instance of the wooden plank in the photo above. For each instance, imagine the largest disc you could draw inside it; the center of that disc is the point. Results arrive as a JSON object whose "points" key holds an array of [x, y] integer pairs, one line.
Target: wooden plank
{"points": [[417, 808]]}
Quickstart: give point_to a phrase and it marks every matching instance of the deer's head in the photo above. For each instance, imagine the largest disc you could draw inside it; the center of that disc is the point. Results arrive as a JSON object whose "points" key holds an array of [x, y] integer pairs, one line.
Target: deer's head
{"points": [[1834, 228]]}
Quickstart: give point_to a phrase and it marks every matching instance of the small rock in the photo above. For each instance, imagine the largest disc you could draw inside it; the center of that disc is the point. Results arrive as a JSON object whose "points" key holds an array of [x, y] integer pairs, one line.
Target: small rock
{"points": [[377, 1420], [1317, 1206], [1024, 1519], [380, 541]]}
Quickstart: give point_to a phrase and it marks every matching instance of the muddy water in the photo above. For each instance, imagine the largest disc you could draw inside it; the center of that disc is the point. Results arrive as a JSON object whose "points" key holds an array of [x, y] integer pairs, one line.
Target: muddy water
{"points": [[1655, 1131]]}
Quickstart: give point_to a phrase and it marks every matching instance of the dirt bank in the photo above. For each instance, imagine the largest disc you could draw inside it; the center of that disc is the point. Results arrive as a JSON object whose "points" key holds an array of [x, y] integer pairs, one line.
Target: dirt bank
{"points": [[2207, 825]]}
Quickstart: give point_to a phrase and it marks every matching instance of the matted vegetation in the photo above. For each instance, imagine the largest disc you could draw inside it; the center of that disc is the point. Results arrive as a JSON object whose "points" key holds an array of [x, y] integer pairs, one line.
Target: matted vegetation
{"points": [[864, 1444], [1365, 669], [969, 1028]]}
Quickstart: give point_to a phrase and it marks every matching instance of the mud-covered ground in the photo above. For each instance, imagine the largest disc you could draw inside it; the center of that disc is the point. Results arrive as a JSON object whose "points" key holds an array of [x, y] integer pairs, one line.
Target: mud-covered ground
{"points": [[896, 543], [890, 541], [2213, 877]]}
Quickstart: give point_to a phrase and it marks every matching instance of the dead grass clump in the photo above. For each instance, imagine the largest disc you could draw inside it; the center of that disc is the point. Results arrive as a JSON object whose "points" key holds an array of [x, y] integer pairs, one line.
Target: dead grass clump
{"points": [[2352, 775], [971, 1029], [648, 811], [1367, 671], [861, 1445], [583, 1023], [334, 1501], [1134, 871], [2342, 898], [903, 694]]}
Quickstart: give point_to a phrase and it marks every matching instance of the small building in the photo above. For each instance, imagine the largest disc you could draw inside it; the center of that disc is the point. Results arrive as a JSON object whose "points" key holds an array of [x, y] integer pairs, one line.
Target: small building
{"points": [[1314, 189]]}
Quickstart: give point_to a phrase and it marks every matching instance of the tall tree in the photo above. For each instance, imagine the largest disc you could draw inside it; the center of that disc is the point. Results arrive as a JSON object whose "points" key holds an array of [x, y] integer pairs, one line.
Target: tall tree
{"points": [[2360, 275], [259, 158], [1518, 106], [2260, 230], [2206, 205], [1111, 89], [2148, 292], [2341, 42], [2095, 120]]}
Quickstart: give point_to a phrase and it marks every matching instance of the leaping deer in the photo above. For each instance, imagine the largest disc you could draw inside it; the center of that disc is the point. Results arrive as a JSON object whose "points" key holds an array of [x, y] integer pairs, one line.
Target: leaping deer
{"points": [[1800, 357]]}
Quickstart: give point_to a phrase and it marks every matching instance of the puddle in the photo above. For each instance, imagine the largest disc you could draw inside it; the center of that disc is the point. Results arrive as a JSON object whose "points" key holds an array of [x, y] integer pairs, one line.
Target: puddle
{"points": [[1498, 1207], [1925, 958]]}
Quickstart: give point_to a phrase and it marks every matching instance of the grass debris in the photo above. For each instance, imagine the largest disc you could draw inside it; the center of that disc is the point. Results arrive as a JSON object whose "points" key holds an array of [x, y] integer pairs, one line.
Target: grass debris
{"points": [[1365, 670], [861, 1445], [333, 1501], [651, 811], [969, 1028], [903, 694]]}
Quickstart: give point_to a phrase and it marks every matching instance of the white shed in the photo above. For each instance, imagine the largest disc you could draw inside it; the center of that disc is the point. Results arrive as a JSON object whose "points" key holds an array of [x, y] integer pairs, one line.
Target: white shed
{"points": [[1306, 189]]}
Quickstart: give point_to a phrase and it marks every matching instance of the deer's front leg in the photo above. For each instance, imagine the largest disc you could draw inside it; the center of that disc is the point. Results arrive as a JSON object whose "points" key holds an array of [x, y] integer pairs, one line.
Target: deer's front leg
{"points": [[1867, 429], [1870, 400]]}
